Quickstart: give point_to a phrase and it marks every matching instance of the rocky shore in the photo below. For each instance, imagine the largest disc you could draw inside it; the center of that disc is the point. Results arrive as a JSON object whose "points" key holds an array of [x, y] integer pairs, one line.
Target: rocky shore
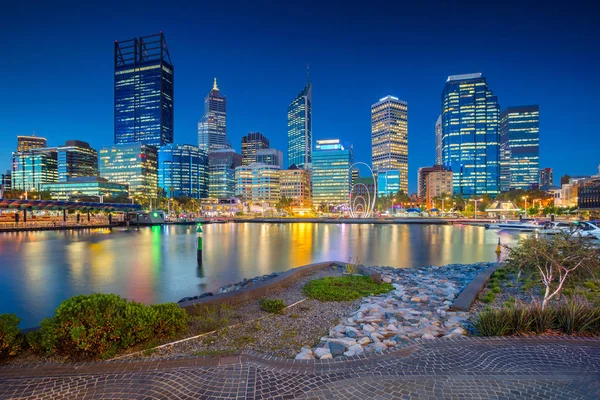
{"points": [[230, 287], [418, 307]]}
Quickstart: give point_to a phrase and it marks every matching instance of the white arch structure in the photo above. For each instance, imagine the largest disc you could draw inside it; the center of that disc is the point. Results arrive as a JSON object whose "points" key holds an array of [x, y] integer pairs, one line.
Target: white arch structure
{"points": [[370, 205]]}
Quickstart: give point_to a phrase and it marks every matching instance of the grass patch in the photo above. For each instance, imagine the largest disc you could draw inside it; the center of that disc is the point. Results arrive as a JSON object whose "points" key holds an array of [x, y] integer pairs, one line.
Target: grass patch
{"points": [[208, 319], [274, 306], [212, 353], [344, 288], [243, 341]]}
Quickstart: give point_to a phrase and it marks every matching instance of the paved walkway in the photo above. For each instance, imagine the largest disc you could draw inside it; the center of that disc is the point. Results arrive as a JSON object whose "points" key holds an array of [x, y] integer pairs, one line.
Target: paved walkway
{"points": [[467, 368]]}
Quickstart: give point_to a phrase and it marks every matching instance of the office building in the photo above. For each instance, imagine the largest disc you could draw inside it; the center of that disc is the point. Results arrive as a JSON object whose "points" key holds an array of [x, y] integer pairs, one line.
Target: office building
{"points": [[470, 141], [299, 118], [5, 181], [212, 127], [270, 157], [183, 171], [251, 143], [589, 195], [363, 186], [258, 183], [295, 185], [389, 137], [331, 176], [221, 172], [389, 182], [546, 178], [519, 148], [422, 179], [25, 143], [76, 159], [32, 168], [438, 183], [132, 164], [97, 188], [438, 141], [144, 81]]}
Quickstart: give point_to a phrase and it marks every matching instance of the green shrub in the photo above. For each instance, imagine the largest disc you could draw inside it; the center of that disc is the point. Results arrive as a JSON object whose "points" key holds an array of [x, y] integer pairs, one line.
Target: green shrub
{"points": [[10, 335], [542, 319], [490, 322], [208, 319], [170, 319], [489, 297], [577, 316], [344, 288], [274, 306], [519, 319]]}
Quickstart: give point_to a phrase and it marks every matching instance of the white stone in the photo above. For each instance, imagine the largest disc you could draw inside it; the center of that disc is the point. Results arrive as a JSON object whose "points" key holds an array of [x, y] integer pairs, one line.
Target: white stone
{"points": [[391, 328], [346, 341], [364, 340], [368, 328], [428, 336], [326, 356], [304, 356], [387, 280], [322, 351]]}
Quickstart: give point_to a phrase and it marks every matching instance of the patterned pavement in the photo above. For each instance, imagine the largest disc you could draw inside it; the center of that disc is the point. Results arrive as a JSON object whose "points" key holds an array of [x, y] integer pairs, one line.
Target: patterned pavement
{"points": [[467, 368]]}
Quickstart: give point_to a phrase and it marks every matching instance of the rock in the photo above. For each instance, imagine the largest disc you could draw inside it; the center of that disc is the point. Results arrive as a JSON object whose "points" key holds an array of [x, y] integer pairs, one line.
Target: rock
{"points": [[387, 280], [346, 341], [351, 334], [340, 329], [304, 356], [458, 331], [428, 336], [368, 328], [415, 299], [336, 349], [326, 356], [322, 351], [364, 340], [354, 350]]}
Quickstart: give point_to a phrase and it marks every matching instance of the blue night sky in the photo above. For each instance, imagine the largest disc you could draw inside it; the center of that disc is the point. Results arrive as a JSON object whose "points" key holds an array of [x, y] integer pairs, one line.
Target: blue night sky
{"points": [[57, 67]]}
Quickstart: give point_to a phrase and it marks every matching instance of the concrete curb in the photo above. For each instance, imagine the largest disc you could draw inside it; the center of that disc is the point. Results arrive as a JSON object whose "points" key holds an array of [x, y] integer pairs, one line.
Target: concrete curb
{"points": [[467, 297]]}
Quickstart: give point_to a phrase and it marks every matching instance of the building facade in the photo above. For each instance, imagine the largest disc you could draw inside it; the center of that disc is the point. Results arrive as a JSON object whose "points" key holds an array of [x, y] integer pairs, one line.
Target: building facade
{"points": [[221, 172], [144, 97], [32, 168], [212, 127], [295, 185], [422, 179], [82, 187], [258, 183], [270, 157], [183, 171], [389, 137], [299, 119], [6, 181], [389, 181], [519, 147], [438, 183], [76, 159], [589, 195], [470, 141], [438, 141], [25, 143], [132, 164], [331, 176], [546, 178], [251, 143]]}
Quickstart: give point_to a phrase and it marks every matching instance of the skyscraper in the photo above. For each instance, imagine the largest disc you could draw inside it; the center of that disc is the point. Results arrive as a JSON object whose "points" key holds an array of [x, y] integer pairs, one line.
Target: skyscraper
{"points": [[143, 91], [270, 157], [389, 137], [25, 143], [221, 172], [183, 171], [438, 141], [546, 178], [519, 147], [252, 142], [133, 164], [258, 183], [76, 159], [212, 127], [470, 142], [32, 168], [300, 129], [331, 176]]}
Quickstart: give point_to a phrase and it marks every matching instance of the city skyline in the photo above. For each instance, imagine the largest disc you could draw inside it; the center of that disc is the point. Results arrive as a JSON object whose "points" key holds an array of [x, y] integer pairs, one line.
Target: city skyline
{"points": [[258, 96]]}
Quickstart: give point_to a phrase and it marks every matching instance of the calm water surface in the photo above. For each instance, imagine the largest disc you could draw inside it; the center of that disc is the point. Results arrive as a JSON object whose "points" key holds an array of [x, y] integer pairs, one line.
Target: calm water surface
{"points": [[157, 264]]}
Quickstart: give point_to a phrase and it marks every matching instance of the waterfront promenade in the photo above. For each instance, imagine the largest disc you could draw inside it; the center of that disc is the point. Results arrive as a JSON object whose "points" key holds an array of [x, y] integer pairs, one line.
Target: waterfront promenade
{"points": [[465, 368]]}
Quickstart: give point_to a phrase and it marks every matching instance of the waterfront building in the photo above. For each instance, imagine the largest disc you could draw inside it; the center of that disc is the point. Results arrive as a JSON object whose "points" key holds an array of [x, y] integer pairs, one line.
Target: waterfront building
{"points": [[132, 164], [519, 148], [438, 141], [270, 157], [295, 185], [221, 172], [331, 175], [144, 81], [422, 179], [258, 183], [364, 186], [470, 141], [212, 127], [589, 194], [388, 182], [25, 143], [546, 178], [299, 118], [438, 183], [213, 207], [389, 137], [76, 159], [183, 171], [251, 143], [89, 186], [32, 168]]}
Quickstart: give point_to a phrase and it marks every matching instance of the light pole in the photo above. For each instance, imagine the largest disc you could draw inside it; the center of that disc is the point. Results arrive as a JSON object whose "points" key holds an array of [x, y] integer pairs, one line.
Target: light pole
{"points": [[475, 210], [525, 198]]}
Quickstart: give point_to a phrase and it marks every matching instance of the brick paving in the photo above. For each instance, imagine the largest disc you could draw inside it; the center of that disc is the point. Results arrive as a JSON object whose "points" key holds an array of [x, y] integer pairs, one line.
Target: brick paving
{"points": [[465, 368]]}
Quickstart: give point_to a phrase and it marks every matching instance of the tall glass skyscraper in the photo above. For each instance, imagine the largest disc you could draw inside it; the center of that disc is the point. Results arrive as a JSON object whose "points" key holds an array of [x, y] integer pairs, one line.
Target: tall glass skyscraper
{"points": [[221, 172], [300, 129], [389, 137], [76, 159], [212, 127], [251, 143], [143, 91], [519, 147], [32, 168], [331, 176], [438, 141], [470, 142], [133, 164], [183, 171]]}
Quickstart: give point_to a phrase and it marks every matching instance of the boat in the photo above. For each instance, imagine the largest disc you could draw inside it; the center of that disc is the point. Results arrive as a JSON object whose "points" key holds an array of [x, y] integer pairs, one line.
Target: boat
{"points": [[555, 227], [587, 230], [522, 226], [156, 217], [218, 221]]}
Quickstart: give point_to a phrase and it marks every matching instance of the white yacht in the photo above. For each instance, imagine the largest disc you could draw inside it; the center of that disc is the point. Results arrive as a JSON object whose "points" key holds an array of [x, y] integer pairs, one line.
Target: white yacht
{"points": [[523, 226], [555, 227], [587, 230]]}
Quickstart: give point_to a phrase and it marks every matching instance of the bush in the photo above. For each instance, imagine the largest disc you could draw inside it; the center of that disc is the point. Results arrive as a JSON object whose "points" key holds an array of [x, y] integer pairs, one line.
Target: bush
{"points": [[208, 319], [576, 316], [10, 335], [170, 319], [274, 306], [490, 322], [344, 288]]}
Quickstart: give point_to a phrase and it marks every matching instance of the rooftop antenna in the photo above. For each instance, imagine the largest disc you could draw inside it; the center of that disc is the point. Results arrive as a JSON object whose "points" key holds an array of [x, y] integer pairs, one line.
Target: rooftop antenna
{"points": [[307, 74]]}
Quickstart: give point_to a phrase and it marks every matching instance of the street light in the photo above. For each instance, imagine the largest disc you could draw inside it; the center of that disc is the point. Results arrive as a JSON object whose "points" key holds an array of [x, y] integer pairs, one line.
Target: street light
{"points": [[475, 210], [525, 198]]}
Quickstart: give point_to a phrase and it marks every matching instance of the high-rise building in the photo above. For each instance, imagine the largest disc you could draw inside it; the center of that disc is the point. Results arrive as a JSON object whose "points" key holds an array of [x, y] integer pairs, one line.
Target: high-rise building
{"points": [[438, 141], [6, 183], [144, 84], [133, 164], [546, 178], [438, 183], [32, 168], [221, 172], [299, 118], [183, 171], [388, 182], [252, 142], [76, 159], [25, 143], [422, 179], [212, 127], [331, 176], [389, 137], [258, 183], [519, 147], [270, 157], [470, 141], [295, 185]]}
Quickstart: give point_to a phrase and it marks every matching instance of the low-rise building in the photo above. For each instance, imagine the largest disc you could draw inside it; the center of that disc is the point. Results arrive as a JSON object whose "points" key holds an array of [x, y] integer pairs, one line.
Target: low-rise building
{"points": [[295, 185], [132, 164], [258, 183], [438, 183], [86, 187]]}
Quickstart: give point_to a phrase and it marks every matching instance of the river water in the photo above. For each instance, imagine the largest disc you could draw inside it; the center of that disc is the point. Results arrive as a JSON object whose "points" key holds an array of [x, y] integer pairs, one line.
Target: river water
{"points": [[38, 270]]}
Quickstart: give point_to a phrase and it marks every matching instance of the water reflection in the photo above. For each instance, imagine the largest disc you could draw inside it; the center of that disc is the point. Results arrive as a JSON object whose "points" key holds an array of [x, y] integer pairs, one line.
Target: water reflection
{"points": [[40, 269]]}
